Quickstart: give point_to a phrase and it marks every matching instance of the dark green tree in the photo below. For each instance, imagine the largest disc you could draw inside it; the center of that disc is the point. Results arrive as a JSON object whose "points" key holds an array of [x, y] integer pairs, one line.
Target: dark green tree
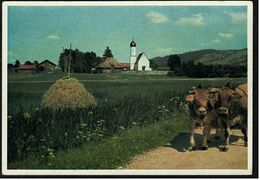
{"points": [[28, 63], [36, 62], [174, 62], [17, 63], [107, 53], [80, 62]]}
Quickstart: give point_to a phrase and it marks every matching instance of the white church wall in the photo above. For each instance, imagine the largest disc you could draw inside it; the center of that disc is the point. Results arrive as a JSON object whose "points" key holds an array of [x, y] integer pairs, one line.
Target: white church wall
{"points": [[144, 63]]}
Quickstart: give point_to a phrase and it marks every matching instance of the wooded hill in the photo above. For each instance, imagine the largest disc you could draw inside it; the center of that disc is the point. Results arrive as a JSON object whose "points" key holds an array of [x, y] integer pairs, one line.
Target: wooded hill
{"points": [[208, 56]]}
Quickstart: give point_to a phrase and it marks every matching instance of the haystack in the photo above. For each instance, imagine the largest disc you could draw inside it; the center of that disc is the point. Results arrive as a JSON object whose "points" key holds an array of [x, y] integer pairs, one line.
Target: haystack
{"points": [[67, 93]]}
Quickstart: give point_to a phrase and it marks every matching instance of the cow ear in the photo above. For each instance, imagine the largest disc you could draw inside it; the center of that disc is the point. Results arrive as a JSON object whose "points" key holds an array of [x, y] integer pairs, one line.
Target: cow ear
{"points": [[236, 97], [190, 98], [199, 86]]}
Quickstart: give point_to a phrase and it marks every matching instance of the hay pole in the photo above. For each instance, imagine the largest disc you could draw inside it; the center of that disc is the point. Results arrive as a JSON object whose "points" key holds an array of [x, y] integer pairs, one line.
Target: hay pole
{"points": [[65, 61], [69, 62]]}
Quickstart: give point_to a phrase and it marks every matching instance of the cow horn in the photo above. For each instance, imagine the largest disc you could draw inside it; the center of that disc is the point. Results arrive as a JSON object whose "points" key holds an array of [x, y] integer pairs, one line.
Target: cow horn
{"points": [[192, 92], [228, 84]]}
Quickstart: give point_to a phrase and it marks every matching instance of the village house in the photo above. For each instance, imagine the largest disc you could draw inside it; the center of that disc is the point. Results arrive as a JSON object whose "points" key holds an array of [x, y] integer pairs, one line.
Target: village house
{"points": [[125, 66], [47, 65], [27, 68], [140, 62]]}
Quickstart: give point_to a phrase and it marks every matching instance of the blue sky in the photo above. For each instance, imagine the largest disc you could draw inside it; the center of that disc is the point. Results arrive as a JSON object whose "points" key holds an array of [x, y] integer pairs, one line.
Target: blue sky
{"points": [[39, 33]]}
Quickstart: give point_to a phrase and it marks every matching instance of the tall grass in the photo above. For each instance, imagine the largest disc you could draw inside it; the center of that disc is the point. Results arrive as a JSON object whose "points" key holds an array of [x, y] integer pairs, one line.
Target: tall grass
{"points": [[122, 105], [45, 129], [114, 152]]}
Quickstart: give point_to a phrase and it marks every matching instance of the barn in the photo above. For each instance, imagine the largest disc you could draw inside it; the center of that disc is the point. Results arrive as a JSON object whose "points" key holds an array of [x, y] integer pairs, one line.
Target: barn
{"points": [[111, 65], [47, 65]]}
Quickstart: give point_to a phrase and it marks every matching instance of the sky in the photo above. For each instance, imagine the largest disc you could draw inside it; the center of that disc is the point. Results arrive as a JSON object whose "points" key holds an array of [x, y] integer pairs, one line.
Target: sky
{"points": [[39, 33]]}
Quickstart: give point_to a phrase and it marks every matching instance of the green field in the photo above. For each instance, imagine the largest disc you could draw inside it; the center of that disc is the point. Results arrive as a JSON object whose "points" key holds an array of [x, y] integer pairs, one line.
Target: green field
{"points": [[131, 108], [31, 87]]}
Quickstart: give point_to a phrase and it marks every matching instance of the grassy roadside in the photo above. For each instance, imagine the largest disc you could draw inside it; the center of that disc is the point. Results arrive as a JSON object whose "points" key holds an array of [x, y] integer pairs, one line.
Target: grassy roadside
{"points": [[113, 152]]}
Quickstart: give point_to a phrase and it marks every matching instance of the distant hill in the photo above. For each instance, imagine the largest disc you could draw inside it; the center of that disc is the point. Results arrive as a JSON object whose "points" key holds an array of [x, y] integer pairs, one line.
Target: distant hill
{"points": [[209, 56]]}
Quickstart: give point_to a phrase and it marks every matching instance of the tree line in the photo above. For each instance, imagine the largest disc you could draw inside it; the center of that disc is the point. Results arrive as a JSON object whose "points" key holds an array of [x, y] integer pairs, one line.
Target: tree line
{"points": [[200, 70], [81, 62]]}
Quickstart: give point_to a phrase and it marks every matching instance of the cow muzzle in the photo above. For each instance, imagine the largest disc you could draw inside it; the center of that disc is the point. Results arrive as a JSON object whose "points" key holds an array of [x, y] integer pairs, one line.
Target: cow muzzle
{"points": [[223, 111], [202, 111]]}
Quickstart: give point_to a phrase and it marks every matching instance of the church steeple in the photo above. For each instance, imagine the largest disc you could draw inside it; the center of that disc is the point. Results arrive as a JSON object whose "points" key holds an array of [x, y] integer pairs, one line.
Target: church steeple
{"points": [[132, 54]]}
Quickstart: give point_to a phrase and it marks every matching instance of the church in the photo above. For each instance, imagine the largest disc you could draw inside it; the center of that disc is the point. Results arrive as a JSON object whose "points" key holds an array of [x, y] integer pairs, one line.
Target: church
{"points": [[140, 62]]}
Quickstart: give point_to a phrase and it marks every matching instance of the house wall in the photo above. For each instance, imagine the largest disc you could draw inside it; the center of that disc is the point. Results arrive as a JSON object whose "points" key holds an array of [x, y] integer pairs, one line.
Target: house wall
{"points": [[144, 62], [47, 66]]}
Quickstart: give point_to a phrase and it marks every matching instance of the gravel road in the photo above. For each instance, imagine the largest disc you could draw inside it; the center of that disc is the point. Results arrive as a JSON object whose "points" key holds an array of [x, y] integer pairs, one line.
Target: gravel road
{"points": [[175, 155]]}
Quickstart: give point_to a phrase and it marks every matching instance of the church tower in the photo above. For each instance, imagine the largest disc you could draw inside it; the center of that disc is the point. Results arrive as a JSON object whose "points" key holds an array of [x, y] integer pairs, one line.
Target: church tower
{"points": [[132, 54]]}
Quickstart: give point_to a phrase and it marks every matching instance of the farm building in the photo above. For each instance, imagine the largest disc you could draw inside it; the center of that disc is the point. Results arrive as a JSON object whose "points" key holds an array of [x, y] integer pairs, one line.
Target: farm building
{"points": [[111, 65], [140, 62], [47, 65], [125, 66], [27, 68]]}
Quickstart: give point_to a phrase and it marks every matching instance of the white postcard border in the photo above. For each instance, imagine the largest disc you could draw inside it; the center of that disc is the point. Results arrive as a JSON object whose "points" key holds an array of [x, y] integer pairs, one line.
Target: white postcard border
{"points": [[7, 171]]}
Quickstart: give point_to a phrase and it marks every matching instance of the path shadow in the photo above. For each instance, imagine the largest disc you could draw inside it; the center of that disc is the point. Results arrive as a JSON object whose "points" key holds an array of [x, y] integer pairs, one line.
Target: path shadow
{"points": [[181, 141]]}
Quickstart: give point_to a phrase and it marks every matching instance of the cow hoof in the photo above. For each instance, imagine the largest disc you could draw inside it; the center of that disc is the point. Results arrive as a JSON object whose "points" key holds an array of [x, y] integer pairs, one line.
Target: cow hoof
{"points": [[223, 148], [217, 137], [203, 148], [208, 141], [192, 148]]}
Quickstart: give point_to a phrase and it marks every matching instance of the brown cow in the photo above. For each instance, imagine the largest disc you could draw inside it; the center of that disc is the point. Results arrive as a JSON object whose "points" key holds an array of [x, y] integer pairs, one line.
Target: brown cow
{"points": [[200, 113], [232, 109]]}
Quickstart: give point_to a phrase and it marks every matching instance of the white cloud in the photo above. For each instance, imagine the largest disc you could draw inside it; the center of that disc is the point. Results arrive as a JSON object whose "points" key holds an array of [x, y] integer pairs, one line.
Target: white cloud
{"points": [[215, 41], [238, 17], [226, 35], [157, 18], [52, 36], [194, 20]]}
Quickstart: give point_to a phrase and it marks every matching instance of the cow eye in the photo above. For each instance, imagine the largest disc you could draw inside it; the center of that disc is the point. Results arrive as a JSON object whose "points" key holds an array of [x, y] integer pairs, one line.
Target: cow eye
{"points": [[197, 103]]}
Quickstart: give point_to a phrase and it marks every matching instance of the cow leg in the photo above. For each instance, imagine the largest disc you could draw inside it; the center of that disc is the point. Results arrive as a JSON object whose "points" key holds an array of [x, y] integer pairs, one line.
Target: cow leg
{"points": [[244, 131], [217, 133], [227, 135], [192, 141], [206, 132]]}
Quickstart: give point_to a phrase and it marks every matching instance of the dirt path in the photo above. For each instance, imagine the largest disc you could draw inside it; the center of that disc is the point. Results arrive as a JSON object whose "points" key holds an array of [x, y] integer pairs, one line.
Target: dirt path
{"points": [[176, 156]]}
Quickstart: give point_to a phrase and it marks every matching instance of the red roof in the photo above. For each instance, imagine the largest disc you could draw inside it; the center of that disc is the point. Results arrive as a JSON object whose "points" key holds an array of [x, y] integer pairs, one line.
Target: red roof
{"points": [[125, 65], [27, 67]]}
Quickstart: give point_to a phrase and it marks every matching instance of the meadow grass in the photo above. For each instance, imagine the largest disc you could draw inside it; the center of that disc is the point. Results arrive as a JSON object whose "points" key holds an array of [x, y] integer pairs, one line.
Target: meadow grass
{"points": [[113, 152], [26, 90]]}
